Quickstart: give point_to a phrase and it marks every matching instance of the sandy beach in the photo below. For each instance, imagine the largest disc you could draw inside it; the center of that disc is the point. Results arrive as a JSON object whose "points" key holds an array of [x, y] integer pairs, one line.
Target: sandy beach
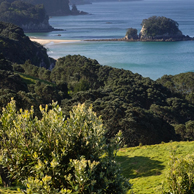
{"points": [[47, 41]]}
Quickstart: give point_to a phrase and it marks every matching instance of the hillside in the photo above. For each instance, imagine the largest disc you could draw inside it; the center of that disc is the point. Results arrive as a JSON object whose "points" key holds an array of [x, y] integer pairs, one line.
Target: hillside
{"points": [[147, 112], [143, 109], [147, 166], [32, 18], [17, 47], [28, 90]]}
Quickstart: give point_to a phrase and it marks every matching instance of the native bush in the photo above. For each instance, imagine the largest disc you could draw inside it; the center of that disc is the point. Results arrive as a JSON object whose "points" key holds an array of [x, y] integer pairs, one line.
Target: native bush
{"points": [[56, 154], [180, 179], [157, 25]]}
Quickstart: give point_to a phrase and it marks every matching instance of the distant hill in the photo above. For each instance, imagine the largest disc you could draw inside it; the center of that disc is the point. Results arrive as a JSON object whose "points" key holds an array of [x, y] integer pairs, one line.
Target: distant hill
{"points": [[56, 7], [27, 16]]}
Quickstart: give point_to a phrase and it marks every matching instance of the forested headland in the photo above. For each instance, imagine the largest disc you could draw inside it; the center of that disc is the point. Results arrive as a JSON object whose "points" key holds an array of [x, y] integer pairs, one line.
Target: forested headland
{"points": [[32, 18], [32, 15]]}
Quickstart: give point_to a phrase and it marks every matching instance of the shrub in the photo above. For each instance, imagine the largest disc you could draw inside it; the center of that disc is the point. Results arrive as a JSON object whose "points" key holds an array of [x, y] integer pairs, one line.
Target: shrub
{"points": [[180, 179], [58, 155]]}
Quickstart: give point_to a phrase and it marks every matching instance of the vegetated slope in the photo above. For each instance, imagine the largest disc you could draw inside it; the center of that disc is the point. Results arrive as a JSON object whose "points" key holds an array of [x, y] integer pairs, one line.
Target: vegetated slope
{"points": [[17, 47], [54, 7], [147, 166], [144, 110], [27, 90], [182, 83], [27, 16]]}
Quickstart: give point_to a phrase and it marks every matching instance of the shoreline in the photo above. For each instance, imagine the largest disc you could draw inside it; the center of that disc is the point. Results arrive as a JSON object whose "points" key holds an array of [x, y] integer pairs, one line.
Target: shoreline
{"points": [[59, 41], [47, 41]]}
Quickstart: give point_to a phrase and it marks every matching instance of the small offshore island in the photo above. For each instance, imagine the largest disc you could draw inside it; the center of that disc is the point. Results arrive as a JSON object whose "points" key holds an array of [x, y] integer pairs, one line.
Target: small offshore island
{"points": [[154, 29]]}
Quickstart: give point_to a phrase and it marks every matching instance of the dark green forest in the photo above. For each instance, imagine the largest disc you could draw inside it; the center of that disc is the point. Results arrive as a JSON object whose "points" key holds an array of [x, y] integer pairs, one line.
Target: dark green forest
{"points": [[54, 7], [29, 17], [157, 25], [146, 111], [18, 48]]}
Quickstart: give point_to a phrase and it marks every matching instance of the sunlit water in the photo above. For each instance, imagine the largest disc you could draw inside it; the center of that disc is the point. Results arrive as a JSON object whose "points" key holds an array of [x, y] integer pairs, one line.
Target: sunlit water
{"points": [[111, 20]]}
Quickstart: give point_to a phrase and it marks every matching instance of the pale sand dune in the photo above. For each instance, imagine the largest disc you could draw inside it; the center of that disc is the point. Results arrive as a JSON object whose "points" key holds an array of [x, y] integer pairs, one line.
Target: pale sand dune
{"points": [[46, 41]]}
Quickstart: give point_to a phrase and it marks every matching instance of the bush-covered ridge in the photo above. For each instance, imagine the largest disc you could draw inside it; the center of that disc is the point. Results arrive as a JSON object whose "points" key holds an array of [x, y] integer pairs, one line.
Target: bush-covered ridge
{"points": [[143, 109], [17, 47], [146, 111], [27, 16]]}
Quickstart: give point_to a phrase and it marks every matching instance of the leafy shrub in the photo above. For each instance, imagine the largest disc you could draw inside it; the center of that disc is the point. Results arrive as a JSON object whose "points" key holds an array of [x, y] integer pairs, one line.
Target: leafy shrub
{"points": [[180, 179], [58, 155]]}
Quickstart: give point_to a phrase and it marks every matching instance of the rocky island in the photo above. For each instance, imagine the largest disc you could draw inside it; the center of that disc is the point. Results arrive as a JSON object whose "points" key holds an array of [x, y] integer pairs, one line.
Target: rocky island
{"points": [[154, 29]]}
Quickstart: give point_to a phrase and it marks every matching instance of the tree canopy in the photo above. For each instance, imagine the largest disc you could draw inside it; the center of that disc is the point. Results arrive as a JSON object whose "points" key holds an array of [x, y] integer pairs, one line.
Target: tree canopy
{"points": [[22, 13], [157, 25]]}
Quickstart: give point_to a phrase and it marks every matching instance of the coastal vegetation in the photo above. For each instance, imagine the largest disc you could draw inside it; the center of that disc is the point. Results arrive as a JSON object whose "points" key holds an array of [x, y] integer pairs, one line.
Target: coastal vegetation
{"points": [[57, 7], [144, 111], [27, 16], [17, 47], [156, 26]]}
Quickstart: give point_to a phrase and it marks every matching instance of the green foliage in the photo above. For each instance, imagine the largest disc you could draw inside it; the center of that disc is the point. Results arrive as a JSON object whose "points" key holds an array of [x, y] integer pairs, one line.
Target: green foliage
{"points": [[131, 33], [143, 109], [21, 13], [58, 155], [17, 47], [182, 83], [186, 131], [156, 25], [180, 177], [53, 7]]}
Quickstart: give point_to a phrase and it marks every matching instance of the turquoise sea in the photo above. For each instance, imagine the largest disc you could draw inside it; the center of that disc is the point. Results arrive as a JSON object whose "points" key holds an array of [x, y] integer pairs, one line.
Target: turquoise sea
{"points": [[111, 20]]}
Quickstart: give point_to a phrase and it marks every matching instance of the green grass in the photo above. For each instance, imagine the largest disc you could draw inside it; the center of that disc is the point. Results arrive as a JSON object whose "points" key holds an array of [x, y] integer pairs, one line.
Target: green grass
{"points": [[32, 80], [146, 166]]}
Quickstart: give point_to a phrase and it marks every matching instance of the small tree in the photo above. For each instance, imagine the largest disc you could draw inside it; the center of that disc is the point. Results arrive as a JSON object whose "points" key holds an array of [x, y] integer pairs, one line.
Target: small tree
{"points": [[58, 155]]}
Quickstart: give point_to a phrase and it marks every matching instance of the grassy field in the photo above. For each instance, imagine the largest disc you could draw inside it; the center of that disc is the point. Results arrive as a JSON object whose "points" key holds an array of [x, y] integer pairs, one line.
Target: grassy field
{"points": [[145, 166]]}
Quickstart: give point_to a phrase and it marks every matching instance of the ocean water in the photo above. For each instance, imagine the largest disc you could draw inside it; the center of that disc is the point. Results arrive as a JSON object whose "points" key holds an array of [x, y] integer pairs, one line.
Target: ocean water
{"points": [[111, 20]]}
